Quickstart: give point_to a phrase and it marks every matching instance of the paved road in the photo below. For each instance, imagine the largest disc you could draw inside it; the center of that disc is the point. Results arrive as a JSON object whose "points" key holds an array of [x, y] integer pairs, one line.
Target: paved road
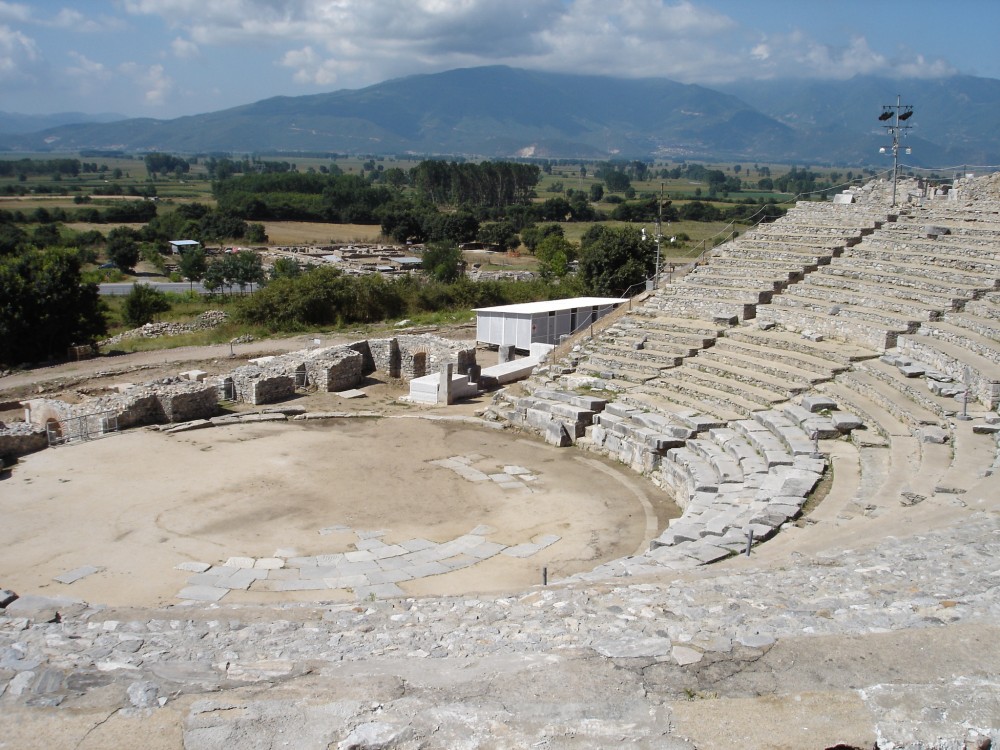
{"points": [[121, 289]]}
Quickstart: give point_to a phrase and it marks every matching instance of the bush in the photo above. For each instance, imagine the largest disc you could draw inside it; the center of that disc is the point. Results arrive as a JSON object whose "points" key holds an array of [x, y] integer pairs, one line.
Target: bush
{"points": [[142, 304]]}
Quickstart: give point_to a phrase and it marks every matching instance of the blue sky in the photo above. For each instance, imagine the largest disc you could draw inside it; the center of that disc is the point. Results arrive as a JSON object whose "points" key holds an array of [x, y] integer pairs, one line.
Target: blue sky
{"points": [[166, 58]]}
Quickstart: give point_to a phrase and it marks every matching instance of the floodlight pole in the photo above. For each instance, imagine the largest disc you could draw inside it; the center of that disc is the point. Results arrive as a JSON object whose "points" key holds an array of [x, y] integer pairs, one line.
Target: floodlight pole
{"points": [[659, 236], [895, 130]]}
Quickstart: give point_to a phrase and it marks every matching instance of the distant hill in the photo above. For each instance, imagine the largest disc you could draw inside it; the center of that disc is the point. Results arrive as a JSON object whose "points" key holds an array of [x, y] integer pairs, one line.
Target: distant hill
{"points": [[498, 112], [11, 122]]}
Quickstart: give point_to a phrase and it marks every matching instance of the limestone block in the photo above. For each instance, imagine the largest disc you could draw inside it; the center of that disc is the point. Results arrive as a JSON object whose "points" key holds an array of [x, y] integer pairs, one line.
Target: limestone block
{"points": [[818, 403], [845, 421], [556, 434], [932, 434]]}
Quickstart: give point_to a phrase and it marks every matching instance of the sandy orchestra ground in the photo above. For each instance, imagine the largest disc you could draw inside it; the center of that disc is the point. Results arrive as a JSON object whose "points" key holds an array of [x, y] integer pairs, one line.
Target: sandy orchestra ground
{"points": [[139, 503]]}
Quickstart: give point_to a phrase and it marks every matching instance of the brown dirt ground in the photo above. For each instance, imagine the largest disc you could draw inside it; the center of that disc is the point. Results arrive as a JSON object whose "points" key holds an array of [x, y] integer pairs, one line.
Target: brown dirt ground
{"points": [[138, 503]]}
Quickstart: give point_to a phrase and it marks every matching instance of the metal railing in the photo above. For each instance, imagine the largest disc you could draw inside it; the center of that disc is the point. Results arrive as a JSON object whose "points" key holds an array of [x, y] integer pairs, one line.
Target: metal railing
{"points": [[81, 428]]}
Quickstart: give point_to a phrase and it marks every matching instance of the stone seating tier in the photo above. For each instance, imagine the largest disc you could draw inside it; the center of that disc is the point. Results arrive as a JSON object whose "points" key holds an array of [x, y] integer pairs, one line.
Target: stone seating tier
{"points": [[958, 362], [807, 320], [677, 402], [961, 257], [709, 276], [941, 299], [985, 281], [837, 355], [775, 364], [984, 343], [709, 390], [882, 318], [679, 302], [745, 372], [842, 296]]}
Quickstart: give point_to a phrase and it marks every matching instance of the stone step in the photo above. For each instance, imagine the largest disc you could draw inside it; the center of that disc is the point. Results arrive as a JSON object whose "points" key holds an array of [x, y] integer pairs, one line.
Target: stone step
{"points": [[988, 307], [715, 391], [831, 278], [915, 389], [877, 301], [782, 383], [930, 284], [883, 318], [633, 349], [706, 276], [929, 254], [838, 354], [812, 424], [616, 371], [791, 434], [739, 449], [878, 425], [892, 400], [850, 330], [702, 477], [691, 304], [985, 346], [757, 267], [767, 445], [725, 466], [913, 270], [985, 326], [806, 261], [677, 402], [799, 366], [958, 362], [656, 340], [744, 294]]}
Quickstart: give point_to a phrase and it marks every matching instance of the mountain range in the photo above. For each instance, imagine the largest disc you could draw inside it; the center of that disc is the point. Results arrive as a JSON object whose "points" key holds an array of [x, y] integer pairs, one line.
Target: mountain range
{"points": [[501, 112]]}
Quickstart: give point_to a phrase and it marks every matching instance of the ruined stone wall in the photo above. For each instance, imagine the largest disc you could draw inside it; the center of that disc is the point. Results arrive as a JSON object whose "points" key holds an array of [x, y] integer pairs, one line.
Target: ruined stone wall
{"points": [[185, 404], [152, 403], [19, 439], [336, 369], [385, 355], [438, 351], [367, 361], [257, 385]]}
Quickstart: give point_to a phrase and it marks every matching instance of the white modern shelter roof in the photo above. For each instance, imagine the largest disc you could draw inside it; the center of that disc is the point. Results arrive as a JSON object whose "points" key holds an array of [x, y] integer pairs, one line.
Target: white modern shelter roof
{"points": [[184, 243], [531, 308]]}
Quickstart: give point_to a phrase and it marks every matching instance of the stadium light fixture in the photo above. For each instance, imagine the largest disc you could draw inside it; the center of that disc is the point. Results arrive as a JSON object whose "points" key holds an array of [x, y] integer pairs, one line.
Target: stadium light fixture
{"points": [[902, 113]]}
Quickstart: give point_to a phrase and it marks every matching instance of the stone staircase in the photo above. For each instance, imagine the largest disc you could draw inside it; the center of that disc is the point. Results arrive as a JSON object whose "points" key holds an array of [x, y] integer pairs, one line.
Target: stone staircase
{"points": [[832, 321]]}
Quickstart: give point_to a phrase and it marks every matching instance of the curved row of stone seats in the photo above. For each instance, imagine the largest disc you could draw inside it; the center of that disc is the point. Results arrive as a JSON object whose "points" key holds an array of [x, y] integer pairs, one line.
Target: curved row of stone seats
{"points": [[896, 385], [961, 254], [637, 348], [964, 356], [752, 476], [560, 417]]}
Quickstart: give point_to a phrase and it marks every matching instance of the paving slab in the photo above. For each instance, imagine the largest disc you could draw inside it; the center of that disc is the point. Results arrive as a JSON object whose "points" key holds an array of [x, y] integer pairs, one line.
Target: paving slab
{"points": [[72, 576], [239, 562], [351, 393], [193, 567], [381, 591], [300, 585], [416, 545], [202, 593], [268, 563]]}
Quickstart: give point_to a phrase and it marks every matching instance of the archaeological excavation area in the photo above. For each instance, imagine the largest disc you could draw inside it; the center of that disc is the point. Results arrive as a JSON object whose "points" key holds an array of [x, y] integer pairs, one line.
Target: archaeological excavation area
{"points": [[819, 397]]}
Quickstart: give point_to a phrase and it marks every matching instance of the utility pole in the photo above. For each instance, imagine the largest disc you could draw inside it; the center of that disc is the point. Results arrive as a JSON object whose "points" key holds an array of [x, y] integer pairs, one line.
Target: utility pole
{"points": [[901, 113]]}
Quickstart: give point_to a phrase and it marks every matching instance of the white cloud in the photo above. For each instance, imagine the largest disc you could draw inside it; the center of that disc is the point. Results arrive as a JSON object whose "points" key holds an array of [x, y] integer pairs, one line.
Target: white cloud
{"points": [[88, 69], [14, 12], [73, 20], [152, 80], [18, 55], [359, 42], [184, 48]]}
